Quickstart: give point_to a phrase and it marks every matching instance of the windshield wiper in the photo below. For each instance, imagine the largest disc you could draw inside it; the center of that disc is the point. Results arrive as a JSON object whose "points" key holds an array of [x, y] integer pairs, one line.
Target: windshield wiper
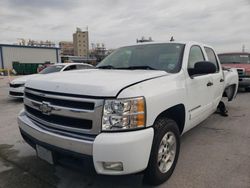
{"points": [[139, 67], [106, 67]]}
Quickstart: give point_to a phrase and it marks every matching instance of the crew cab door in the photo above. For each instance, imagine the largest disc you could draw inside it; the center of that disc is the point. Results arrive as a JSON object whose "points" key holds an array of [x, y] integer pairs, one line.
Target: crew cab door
{"points": [[200, 103], [217, 78]]}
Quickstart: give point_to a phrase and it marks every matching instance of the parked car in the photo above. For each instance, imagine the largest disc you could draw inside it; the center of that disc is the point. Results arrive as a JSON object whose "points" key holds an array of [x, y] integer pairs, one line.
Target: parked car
{"points": [[240, 61], [127, 114], [17, 85]]}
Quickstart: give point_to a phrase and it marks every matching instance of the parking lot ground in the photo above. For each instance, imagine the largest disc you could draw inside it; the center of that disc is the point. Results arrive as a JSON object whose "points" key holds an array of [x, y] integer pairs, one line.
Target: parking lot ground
{"points": [[214, 154]]}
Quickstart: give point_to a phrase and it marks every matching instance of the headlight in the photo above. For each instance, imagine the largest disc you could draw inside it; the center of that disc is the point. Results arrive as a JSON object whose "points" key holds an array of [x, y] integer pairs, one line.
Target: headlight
{"points": [[123, 114]]}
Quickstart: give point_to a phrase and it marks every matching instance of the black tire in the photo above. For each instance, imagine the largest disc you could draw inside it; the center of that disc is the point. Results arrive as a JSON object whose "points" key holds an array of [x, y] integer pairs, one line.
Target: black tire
{"points": [[152, 174]]}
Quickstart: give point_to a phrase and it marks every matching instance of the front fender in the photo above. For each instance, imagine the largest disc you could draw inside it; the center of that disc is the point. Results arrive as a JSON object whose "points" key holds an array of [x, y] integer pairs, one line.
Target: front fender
{"points": [[160, 94]]}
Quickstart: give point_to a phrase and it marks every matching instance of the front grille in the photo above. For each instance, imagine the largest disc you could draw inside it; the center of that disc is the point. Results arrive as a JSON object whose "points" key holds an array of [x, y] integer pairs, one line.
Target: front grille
{"points": [[64, 114], [16, 94], [16, 85], [61, 102], [60, 120]]}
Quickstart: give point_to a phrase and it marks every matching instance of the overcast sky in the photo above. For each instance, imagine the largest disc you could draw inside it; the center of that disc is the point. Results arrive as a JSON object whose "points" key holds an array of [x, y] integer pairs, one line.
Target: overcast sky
{"points": [[224, 24]]}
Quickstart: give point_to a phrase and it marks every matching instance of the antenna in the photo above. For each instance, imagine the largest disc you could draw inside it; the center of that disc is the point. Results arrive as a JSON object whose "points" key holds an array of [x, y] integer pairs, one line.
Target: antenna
{"points": [[172, 39]]}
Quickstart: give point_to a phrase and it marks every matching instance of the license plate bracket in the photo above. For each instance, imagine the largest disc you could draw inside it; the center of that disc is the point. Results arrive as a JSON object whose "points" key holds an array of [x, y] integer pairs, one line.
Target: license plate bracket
{"points": [[44, 154]]}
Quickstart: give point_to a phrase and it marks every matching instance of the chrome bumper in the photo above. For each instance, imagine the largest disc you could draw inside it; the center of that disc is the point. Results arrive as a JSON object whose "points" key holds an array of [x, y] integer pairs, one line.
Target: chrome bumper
{"points": [[80, 146]]}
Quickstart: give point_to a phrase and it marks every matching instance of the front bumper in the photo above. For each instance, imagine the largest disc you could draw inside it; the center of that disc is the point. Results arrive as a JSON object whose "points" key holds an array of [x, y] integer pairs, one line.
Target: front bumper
{"points": [[132, 149], [244, 81], [16, 92]]}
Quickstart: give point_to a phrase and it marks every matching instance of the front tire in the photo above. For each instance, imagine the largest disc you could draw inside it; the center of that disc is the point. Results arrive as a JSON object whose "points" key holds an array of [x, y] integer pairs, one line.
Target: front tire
{"points": [[164, 152]]}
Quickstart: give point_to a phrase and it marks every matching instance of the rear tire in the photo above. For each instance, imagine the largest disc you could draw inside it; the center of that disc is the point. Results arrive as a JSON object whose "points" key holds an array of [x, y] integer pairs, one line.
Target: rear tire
{"points": [[164, 152]]}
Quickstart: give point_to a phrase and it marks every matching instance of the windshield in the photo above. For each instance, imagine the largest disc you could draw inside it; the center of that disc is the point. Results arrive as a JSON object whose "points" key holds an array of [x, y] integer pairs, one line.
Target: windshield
{"points": [[51, 69], [165, 57], [234, 58]]}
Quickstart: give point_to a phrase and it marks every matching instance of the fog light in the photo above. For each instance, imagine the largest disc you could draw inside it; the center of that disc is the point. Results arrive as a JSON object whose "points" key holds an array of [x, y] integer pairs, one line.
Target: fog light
{"points": [[117, 166]]}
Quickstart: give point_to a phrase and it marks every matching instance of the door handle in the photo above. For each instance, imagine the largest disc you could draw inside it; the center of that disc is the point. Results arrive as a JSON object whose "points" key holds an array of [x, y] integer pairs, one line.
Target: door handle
{"points": [[210, 84], [221, 80]]}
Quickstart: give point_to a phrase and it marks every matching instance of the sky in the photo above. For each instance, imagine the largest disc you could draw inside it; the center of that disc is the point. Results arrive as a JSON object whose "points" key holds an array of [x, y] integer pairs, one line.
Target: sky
{"points": [[223, 24]]}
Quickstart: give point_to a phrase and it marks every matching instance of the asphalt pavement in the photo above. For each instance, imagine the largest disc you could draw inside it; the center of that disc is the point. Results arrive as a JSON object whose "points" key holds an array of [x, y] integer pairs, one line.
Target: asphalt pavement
{"points": [[214, 154]]}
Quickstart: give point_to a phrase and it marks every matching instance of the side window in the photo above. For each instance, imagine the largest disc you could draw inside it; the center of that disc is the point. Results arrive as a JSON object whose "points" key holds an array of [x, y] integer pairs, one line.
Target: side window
{"points": [[72, 67], [195, 55], [211, 57]]}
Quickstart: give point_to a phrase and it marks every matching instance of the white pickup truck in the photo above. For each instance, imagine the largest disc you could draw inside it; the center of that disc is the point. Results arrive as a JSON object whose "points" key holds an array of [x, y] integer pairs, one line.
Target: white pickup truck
{"points": [[127, 114]]}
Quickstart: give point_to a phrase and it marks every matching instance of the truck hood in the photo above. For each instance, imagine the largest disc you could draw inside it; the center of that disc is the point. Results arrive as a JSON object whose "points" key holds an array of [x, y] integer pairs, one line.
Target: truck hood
{"points": [[92, 82]]}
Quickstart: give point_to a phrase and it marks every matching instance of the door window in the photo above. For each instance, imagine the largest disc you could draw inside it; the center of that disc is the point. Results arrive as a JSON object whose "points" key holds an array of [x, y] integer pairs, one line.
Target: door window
{"points": [[211, 57], [195, 55]]}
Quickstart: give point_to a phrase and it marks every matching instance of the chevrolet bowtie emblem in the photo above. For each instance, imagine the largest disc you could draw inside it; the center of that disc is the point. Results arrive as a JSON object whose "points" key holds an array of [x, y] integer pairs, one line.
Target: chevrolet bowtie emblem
{"points": [[45, 108]]}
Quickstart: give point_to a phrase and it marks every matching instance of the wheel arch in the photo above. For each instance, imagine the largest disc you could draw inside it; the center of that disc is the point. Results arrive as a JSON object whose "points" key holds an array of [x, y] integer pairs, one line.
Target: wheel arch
{"points": [[230, 91], [177, 113]]}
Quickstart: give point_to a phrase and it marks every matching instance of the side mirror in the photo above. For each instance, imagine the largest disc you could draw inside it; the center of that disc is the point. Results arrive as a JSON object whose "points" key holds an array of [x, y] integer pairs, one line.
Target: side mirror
{"points": [[203, 67]]}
